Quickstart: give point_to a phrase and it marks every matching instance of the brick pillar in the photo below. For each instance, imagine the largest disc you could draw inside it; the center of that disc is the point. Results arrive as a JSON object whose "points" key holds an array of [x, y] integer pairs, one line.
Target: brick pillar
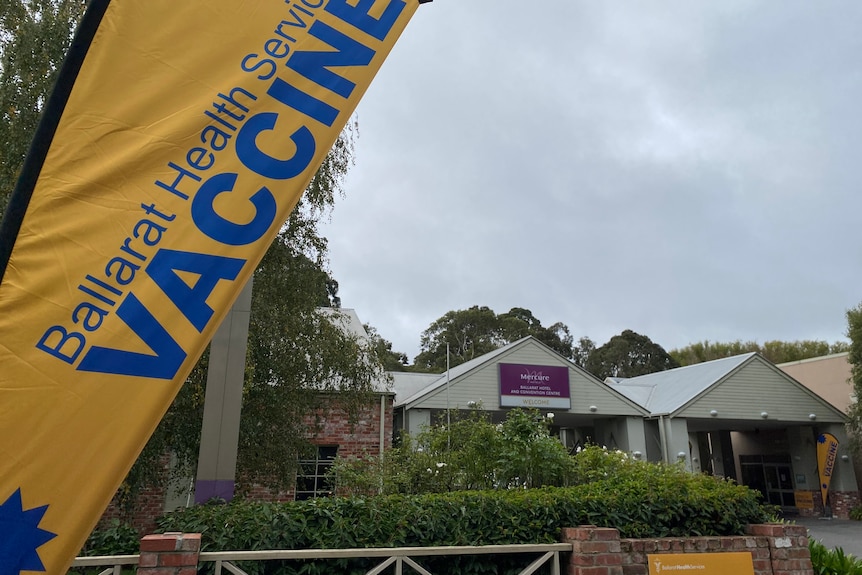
{"points": [[170, 554], [788, 548], [595, 550]]}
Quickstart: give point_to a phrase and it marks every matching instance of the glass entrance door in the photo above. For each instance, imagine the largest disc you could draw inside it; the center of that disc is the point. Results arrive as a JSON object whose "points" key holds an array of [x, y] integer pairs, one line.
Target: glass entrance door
{"points": [[772, 475], [779, 484]]}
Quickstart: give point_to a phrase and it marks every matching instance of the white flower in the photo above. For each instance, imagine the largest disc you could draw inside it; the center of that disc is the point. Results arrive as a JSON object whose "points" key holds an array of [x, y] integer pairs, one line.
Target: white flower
{"points": [[441, 464]]}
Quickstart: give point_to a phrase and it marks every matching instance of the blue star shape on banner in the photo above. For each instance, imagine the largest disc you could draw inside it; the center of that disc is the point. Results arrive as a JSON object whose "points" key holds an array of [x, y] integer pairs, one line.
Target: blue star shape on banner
{"points": [[20, 536], [821, 438]]}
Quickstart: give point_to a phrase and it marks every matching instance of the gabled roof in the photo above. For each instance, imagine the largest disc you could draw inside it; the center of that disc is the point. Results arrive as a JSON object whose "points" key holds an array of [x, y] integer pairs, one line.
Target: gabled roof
{"points": [[408, 383], [466, 370], [456, 372], [667, 391], [741, 387]]}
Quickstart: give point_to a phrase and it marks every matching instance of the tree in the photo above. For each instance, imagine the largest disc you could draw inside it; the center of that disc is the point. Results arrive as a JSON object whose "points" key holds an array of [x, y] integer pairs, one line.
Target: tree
{"points": [[295, 356], [519, 322], [854, 333], [476, 331], [583, 350], [391, 360], [296, 360], [629, 355], [34, 38], [775, 351], [468, 333]]}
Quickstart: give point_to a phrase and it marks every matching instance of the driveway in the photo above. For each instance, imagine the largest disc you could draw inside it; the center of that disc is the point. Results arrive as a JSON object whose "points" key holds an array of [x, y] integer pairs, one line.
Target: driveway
{"points": [[835, 533]]}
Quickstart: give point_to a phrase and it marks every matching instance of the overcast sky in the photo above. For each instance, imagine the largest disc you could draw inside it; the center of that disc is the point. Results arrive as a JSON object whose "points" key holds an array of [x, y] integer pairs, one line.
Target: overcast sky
{"points": [[689, 170]]}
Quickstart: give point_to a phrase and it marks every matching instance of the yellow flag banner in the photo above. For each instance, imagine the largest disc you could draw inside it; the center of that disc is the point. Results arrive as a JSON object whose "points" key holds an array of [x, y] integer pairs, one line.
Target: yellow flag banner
{"points": [[179, 138], [827, 450]]}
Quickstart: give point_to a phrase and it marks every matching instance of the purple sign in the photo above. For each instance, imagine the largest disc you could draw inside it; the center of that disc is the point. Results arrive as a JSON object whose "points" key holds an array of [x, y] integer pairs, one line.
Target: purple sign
{"points": [[539, 386]]}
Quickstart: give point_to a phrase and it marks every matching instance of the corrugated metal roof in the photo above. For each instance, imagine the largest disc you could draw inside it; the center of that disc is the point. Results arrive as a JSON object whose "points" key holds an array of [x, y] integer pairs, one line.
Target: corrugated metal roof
{"points": [[407, 383], [666, 391]]}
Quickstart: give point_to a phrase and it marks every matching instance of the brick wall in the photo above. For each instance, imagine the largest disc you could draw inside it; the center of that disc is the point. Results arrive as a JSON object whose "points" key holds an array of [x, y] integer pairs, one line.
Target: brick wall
{"points": [[328, 426], [332, 426], [140, 510], [775, 550], [842, 502]]}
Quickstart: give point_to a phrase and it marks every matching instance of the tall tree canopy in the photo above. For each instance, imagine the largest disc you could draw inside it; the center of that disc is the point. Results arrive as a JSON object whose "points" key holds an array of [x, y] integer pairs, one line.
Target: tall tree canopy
{"points": [[34, 38], [774, 351], [295, 352], [629, 354], [476, 331], [854, 333]]}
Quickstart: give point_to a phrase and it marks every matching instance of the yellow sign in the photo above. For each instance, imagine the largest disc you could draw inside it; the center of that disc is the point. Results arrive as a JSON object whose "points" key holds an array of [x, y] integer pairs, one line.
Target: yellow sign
{"points": [[827, 452], [184, 133], [701, 563], [804, 499]]}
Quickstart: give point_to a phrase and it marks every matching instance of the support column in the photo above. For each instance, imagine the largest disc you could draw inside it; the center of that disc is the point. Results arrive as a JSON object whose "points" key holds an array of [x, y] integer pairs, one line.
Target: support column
{"points": [[595, 550], [216, 474]]}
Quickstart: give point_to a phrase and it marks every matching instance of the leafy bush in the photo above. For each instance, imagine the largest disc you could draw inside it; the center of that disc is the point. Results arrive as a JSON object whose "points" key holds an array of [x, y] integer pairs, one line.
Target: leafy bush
{"points": [[856, 513], [641, 500], [116, 538], [832, 561], [469, 453]]}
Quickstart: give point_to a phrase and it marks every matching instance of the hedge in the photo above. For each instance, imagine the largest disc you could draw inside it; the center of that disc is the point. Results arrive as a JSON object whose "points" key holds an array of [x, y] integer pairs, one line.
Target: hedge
{"points": [[647, 501]]}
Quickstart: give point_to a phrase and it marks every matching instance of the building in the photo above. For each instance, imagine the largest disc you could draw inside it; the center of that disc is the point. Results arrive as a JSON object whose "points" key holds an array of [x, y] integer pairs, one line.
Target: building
{"points": [[739, 417], [827, 376], [585, 410], [331, 429]]}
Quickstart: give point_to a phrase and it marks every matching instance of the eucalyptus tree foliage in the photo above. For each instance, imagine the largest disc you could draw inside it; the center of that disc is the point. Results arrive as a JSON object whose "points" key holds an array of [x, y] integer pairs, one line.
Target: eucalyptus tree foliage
{"points": [[854, 333], [295, 353], [629, 354], [775, 351], [470, 333]]}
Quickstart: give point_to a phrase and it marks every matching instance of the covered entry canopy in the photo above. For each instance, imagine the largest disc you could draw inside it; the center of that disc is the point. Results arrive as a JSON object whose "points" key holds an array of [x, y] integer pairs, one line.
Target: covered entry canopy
{"points": [[743, 418]]}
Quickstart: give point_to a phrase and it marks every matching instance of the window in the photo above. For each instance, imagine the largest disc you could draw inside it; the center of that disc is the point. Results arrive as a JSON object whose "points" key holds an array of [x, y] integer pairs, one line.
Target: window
{"points": [[311, 480]]}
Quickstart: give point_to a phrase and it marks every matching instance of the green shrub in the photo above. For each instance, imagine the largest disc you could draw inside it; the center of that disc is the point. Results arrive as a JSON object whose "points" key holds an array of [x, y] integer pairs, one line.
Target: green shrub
{"points": [[639, 500], [467, 453], [115, 538], [856, 513], [832, 561]]}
